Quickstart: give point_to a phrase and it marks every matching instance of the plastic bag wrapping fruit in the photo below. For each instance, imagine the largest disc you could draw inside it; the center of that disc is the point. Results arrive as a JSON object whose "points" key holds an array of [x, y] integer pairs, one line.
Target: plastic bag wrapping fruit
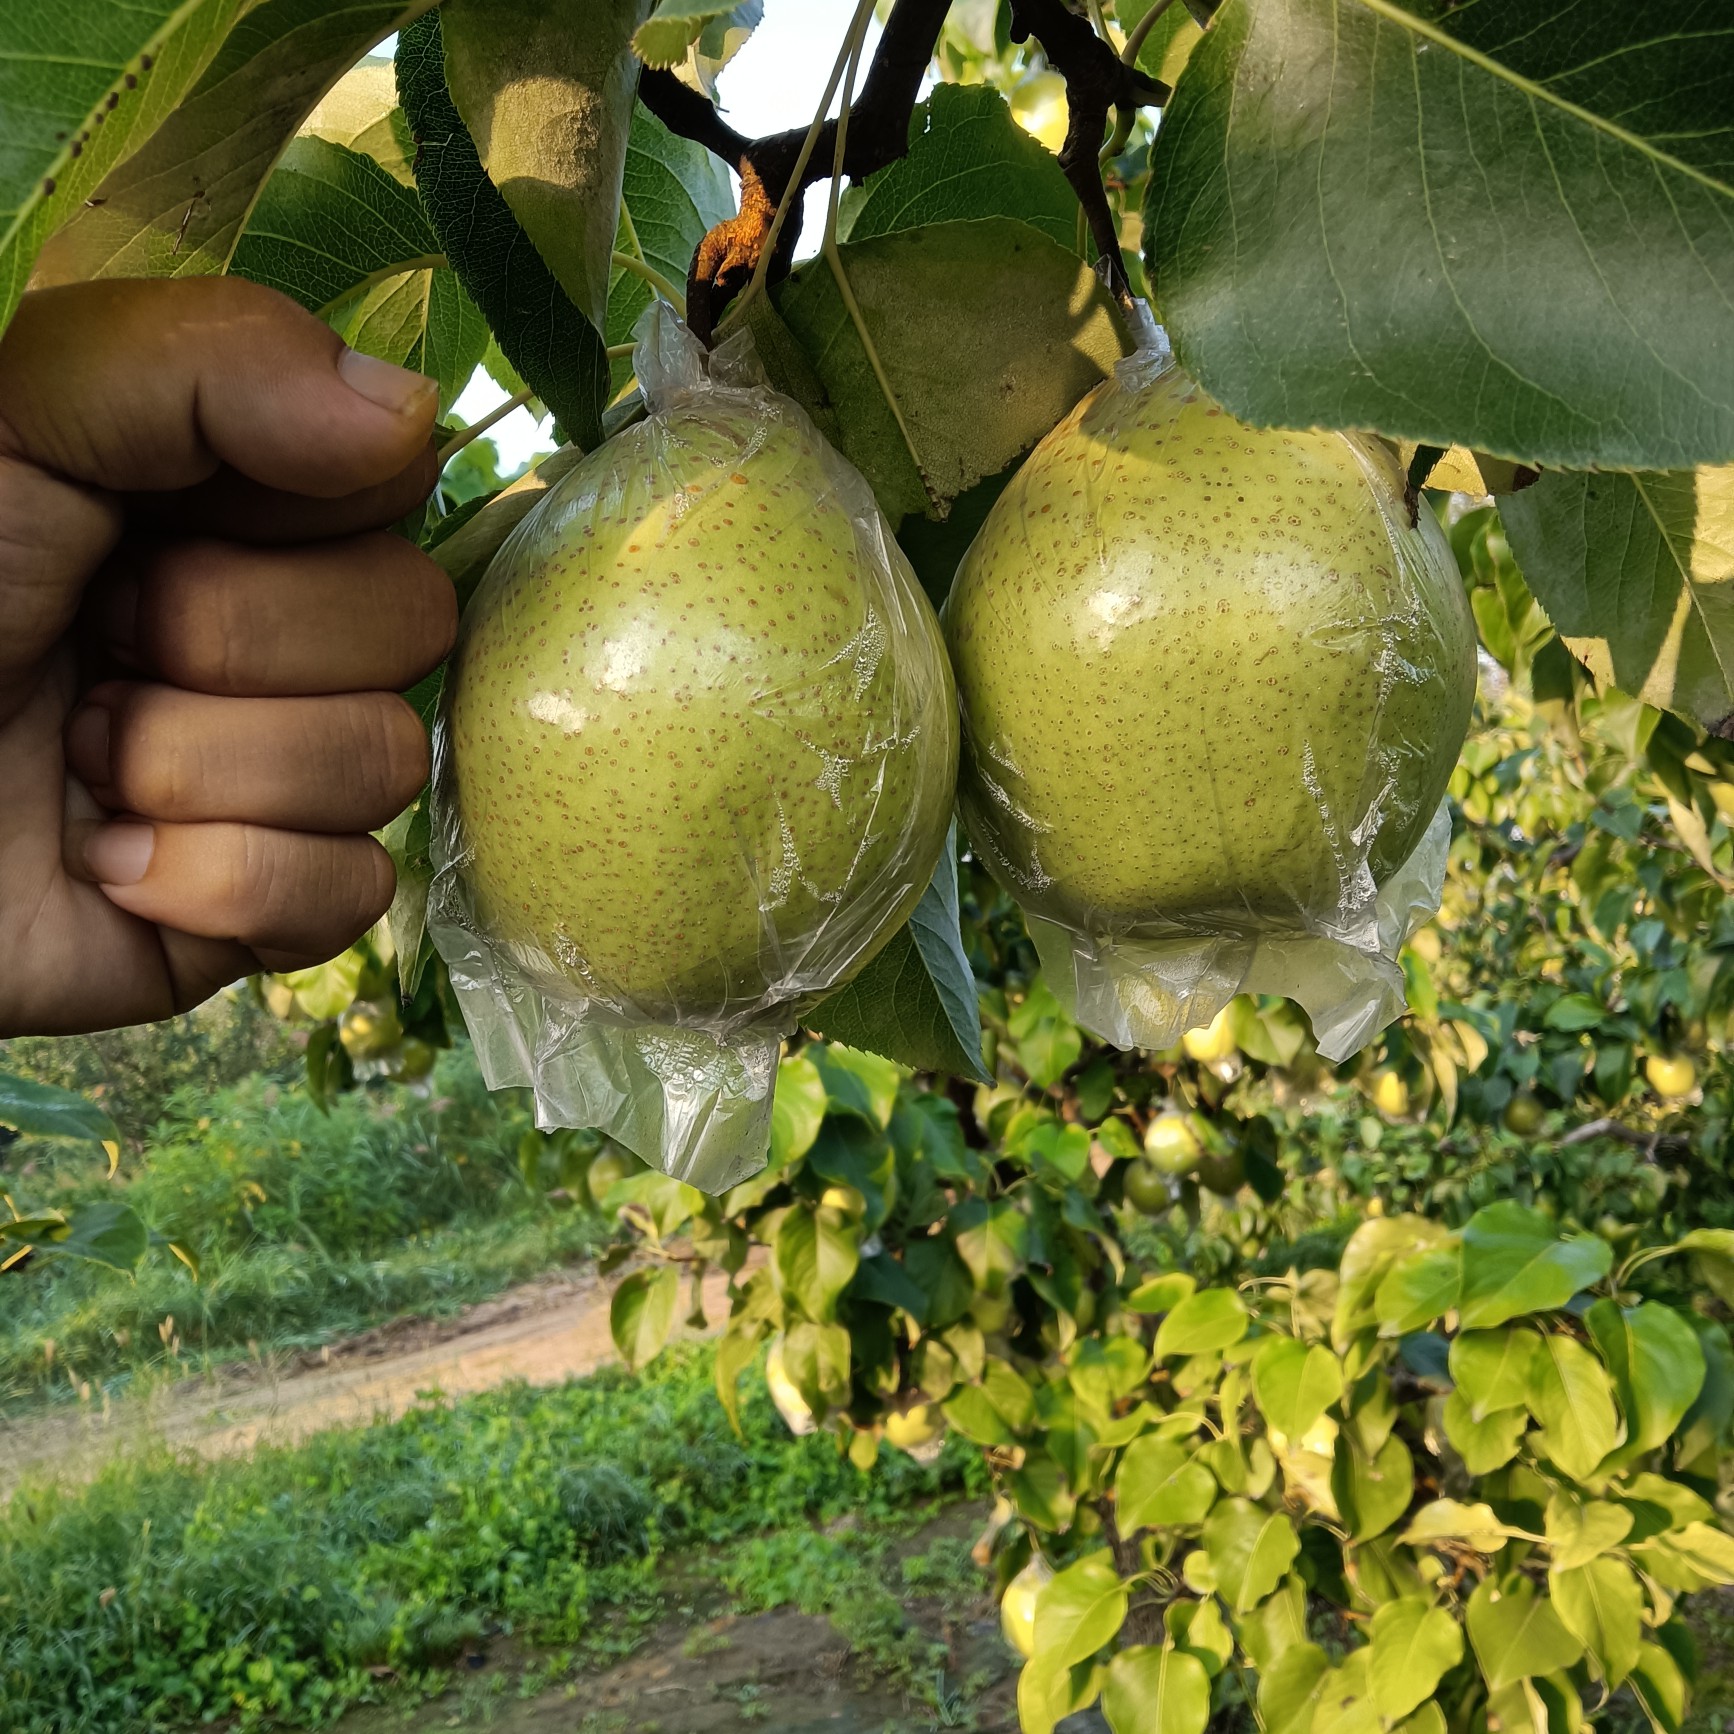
{"points": [[693, 766], [1213, 683]]}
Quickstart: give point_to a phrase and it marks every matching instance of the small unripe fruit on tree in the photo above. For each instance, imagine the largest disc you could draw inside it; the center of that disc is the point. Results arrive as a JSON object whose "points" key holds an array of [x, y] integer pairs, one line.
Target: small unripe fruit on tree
{"points": [[1147, 1189], [368, 1030], [1671, 1075], [1171, 1145], [1524, 1114], [1389, 1093], [1212, 1044]]}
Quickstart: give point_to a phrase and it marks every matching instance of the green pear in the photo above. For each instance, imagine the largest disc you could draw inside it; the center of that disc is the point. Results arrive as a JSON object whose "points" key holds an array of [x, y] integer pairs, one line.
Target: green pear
{"points": [[1210, 675], [701, 727]]}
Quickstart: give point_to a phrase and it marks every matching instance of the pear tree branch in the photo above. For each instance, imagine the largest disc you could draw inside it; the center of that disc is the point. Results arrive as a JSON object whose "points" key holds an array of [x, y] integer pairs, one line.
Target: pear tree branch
{"points": [[771, 168], [1097, 80]]}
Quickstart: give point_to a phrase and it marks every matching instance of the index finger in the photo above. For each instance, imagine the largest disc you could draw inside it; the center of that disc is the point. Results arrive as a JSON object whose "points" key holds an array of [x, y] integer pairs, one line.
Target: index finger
{"points": [[156, 385]]}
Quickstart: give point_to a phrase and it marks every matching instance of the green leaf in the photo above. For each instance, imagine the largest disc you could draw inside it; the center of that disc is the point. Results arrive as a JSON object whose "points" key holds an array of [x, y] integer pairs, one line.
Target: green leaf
{"points": [[664, 38], [817, 1359], [80, 88], [1048, 1042], [1487, 1444], [1372, 1249], [992, 1238], [967, 159], [1492, 1369], [1660, 1688], [642, 1313], [1345, 1704], [360, 110], [1249, 1550], [44, 1111], [1288, 1689], [1214, 1318], [545, 89], [1572, 1399], [1079, 1610], [559, 353], [1516, 1633], [988, 332], [858, 1082], [815, 1257], [1515, 1261], [1161, 1485], [175, 207], [330, 222], [1161, 1294], [1278, 1624], [1581, 1530], [1690, 1557], [1477, 1526], [1602, 1606], [1632, 570], [916, 1001], [107, 1232], [1418, 1288], [1294, 1384], [1372, 1492], [1369, 215], [1657, 1366], [797, 1110], [1414, 1646], [1156, 1690], [672, 192], [736, 1350]]}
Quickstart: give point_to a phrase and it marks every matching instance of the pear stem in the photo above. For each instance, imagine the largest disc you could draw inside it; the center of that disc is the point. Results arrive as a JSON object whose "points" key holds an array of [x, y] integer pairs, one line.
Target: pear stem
{"points": [[477, 428]]}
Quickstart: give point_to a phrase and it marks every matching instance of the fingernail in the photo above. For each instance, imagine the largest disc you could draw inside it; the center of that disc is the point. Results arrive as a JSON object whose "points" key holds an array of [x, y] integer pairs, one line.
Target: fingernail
{"points": [[87, 745], [120, 854], [383, 382]]}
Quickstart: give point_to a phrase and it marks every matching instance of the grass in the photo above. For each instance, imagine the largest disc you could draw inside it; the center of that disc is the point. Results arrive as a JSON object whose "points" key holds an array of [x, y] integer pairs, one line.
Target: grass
{"points": [[305, 1226], [281, 1588]]}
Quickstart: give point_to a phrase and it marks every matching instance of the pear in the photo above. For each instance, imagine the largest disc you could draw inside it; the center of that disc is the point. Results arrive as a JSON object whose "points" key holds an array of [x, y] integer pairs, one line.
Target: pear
{"points": [[1214, 679], [701, 727]]}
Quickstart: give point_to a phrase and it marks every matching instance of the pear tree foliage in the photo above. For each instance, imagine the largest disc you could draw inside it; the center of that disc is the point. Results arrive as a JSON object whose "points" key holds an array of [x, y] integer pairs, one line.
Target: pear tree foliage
{"points": [[1457, 1476]]}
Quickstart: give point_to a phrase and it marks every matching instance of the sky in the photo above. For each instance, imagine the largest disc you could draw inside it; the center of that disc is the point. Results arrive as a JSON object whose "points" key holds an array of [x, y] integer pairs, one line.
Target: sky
{"points": [[773, 83]]}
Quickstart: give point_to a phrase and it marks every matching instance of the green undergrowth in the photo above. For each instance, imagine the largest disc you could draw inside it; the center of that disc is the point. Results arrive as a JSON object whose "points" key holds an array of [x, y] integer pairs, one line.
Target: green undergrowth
{"points": [[305, 1226], [279, 1589]]}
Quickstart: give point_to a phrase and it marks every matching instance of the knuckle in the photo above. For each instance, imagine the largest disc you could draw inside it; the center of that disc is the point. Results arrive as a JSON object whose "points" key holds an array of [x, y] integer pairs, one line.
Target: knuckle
{"points": [[194, 633]]}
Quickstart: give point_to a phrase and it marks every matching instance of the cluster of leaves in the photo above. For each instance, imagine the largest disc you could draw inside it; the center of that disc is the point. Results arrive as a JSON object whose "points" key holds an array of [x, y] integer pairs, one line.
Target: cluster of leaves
{"points": [[1487, 1448]]}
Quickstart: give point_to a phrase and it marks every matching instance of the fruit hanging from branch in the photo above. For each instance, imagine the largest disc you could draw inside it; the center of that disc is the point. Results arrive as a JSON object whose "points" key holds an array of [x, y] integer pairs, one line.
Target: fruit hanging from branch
{"points": [[695, 765], [1214, 680]]}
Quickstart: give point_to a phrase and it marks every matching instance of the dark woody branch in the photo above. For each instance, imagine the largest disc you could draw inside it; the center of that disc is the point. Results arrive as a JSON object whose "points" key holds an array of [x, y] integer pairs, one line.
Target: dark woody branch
{"points": [[1096, 81]]}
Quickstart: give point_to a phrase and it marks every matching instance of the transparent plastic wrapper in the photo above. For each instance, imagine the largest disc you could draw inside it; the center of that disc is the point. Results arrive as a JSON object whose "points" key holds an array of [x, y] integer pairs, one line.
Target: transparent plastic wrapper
{"points": [[694, 765], [1213, 681]]}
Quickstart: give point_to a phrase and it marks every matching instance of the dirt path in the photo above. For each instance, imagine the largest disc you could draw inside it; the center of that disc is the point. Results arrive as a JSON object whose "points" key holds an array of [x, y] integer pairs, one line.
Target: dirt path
{"points": [[541, 1332]]}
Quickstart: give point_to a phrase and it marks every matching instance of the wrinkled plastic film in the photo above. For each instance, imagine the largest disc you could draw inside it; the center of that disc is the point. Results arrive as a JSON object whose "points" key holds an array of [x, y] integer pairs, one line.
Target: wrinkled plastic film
{"points": [[1257, 859], [694, 765]]}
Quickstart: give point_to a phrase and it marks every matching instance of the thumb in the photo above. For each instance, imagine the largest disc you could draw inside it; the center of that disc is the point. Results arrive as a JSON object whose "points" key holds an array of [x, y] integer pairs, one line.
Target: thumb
{"points": [[129, 386]]}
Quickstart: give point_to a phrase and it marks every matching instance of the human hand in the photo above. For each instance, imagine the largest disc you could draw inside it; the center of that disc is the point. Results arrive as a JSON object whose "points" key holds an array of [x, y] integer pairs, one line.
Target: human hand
{"points": [[203, 632]]}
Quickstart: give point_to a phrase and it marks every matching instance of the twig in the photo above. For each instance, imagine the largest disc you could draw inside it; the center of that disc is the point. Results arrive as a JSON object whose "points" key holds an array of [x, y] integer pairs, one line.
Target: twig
{"points": [[477, 428], [776, 169], [1141, 32], [649, 274], [1097, 80], [1653, 1144]]}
